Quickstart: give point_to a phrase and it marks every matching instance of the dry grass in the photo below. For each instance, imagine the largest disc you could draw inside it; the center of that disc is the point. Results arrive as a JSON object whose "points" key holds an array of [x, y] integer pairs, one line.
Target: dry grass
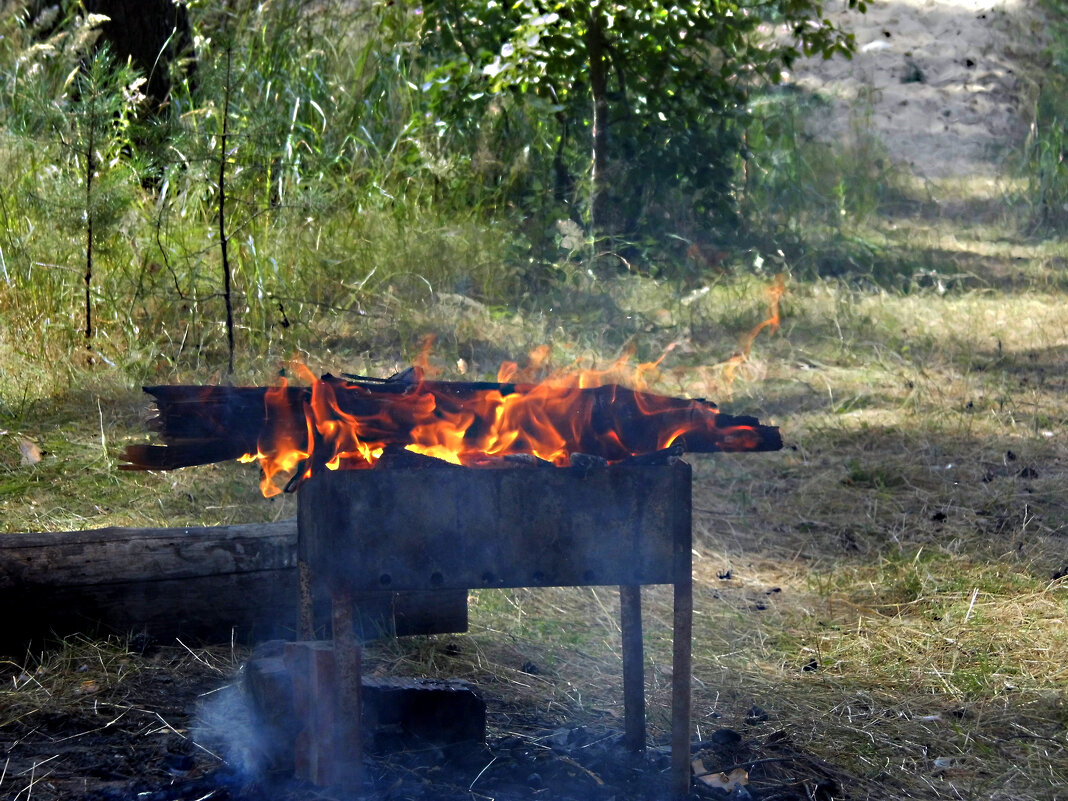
{"points": [[896, 600]]}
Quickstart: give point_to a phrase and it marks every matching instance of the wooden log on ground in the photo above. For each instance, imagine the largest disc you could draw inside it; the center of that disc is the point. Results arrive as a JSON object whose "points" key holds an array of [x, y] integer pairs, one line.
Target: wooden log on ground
{"points": [[198, 584]]}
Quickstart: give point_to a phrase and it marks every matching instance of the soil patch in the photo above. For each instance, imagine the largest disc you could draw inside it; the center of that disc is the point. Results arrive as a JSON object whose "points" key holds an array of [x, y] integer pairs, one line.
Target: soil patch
{"points": [[173, 728], [938, 82]]}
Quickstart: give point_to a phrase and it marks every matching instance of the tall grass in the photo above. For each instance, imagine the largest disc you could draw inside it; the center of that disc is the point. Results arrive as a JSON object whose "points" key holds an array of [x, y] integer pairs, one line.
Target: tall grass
{"points": [[335, 193], [1047, 142], [801, 183], [345, 201]]}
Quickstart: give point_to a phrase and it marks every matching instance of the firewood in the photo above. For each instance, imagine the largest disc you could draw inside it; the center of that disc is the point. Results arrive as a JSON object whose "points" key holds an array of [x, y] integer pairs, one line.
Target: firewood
{"points": [[205, 424]]}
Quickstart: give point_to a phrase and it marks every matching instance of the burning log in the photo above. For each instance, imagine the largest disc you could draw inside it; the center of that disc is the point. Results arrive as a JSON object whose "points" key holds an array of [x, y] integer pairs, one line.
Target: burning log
{"points": [[350, 422]]}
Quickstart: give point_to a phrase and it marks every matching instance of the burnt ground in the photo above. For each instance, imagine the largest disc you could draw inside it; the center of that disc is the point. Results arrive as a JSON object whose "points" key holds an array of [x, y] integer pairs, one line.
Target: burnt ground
{"points": [[170, 725]]}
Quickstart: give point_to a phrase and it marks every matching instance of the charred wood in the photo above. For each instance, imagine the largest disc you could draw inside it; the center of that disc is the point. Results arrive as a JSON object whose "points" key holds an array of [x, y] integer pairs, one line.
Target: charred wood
{"points": [[205, 424]]}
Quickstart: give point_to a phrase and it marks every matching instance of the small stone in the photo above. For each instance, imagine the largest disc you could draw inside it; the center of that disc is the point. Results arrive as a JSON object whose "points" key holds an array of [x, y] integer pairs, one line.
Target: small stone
{"points": [[179, 764], [756, 715], [725, 737]]}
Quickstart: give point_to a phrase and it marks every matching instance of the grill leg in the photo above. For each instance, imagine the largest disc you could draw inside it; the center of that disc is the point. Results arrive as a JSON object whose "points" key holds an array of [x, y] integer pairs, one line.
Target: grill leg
{"points": [[305, 616], [680, 688], [630, 623], [347, 656]]}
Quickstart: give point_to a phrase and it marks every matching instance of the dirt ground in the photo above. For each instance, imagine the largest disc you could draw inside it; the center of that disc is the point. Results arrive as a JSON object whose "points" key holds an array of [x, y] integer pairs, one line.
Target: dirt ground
{"points": [[174, 724], [939, 82]]}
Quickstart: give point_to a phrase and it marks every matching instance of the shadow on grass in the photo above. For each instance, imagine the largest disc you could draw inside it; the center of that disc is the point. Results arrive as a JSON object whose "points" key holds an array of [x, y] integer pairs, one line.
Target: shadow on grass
{"points": [[840, 494]]}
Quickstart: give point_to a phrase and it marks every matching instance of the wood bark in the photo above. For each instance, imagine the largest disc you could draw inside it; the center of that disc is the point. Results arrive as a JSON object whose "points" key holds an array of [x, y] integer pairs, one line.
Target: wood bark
{"points": [[199, 584], [154, 34], [204, 424]]}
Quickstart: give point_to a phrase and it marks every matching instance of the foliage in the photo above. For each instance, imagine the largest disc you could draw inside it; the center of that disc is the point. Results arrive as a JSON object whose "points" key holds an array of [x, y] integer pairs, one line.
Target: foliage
{"points": [[359, 159], [382, 156], [673, 80], [796, 183], [332, 199], [93, 125], [1047, 143], [87, 105]]}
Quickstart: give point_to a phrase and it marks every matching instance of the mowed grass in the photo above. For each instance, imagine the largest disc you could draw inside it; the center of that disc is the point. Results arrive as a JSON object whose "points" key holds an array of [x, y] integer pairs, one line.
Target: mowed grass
{"points": [[889, 589]]}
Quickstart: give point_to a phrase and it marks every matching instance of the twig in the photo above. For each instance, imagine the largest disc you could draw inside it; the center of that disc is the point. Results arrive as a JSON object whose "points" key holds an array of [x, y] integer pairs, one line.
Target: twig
{"points": [[28, 789], [971, 606], [103, 438], [168, 726], [163, 254], [479, 776], [216, 690], [223, 240], [26, 736], [764, 761], [569, 761], [198, 658], [208, 751], [89, 168], [611, 618], [107, 725]]}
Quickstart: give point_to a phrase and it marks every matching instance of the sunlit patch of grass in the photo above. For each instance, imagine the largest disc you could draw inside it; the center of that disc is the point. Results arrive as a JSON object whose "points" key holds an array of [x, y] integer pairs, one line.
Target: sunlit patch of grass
{"points": [[77, 673], [918, 665], [913, 531]]}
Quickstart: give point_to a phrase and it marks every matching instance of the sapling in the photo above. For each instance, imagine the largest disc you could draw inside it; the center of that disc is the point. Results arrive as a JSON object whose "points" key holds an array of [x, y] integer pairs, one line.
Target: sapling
{"points": [[93, 120]]}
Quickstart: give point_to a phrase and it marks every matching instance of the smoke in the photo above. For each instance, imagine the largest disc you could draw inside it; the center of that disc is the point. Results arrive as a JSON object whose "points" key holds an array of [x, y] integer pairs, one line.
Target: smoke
{"points": [[228, 725]]}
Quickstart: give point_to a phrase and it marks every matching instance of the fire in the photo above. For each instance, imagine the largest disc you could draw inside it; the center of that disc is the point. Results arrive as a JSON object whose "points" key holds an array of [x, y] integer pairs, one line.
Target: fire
{"points": [[530, 413], [338, 424], [775, 293]]}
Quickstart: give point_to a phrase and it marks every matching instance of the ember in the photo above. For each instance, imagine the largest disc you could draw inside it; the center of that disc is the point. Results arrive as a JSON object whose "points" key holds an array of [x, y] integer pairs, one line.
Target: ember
{"points": [[350, 422]]}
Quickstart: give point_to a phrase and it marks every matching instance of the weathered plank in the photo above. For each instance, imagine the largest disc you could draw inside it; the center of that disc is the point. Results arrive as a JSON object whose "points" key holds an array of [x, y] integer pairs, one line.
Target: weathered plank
{"points": [[201, 584], [110, 555]]}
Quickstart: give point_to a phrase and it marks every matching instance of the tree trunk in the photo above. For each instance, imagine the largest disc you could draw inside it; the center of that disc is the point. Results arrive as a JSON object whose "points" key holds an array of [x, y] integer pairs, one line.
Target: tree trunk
{"points": [[90, 167], [153, 34], [599, 90]]}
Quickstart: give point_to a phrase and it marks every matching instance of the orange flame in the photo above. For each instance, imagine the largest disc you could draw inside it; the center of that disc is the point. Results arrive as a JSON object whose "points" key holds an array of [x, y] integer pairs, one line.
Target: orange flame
{"points": [[745, 347], [422, 361], [341, 424]]}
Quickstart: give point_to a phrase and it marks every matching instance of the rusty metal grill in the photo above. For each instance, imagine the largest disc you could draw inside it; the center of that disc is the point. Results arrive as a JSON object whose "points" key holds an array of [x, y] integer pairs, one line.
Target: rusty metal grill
{"points": [[445, 528]]}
